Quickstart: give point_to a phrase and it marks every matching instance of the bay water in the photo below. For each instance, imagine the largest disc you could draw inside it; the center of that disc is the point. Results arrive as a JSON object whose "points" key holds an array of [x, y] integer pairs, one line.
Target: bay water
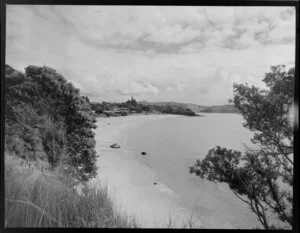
{"points": [[172, 145]]}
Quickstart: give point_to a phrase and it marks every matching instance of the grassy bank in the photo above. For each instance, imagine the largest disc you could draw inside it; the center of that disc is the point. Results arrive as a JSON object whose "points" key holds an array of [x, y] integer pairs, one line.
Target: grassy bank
{"points": [[50, 139], [38, 197]]}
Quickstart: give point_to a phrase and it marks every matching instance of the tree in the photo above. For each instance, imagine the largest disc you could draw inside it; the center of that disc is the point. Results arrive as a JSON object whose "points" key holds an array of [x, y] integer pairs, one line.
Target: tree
{"points": [[47, 118], [80, 137], [97, 107], [262, 177]]}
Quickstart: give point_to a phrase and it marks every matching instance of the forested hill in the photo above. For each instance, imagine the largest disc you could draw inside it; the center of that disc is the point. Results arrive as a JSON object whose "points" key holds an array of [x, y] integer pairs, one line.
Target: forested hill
{"points": [[47, 119], [227, 108], [132, 106]]}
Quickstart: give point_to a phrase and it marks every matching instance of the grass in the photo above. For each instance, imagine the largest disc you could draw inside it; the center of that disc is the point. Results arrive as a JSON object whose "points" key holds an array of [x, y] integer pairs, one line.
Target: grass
{"points": [[189, 223], [38, 197]]}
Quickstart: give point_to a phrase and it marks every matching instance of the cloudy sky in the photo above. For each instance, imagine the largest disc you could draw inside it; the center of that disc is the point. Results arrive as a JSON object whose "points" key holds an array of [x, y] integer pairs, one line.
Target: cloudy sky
{"points": [[154, 53]]}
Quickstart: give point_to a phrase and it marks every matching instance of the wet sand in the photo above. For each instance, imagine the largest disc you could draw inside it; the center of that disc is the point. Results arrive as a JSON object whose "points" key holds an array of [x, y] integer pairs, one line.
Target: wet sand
{"points": [[132, 184]]}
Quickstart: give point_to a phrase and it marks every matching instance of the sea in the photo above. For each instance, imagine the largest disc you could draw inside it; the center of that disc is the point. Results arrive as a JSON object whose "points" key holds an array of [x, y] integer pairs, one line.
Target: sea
{"points": [[172, 145]]}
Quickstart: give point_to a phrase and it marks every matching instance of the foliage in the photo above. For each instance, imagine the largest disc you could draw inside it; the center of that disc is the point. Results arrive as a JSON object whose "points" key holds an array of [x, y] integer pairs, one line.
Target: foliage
{"points": [[267, 114], [132, 106], [47, 119], [38, 197], [80, 137], [97, 107], [228, 108], [171, 109], [263, 177]]}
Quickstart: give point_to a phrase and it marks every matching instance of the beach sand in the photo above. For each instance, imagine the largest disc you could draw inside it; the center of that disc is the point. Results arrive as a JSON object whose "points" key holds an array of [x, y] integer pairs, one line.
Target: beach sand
{"points": [[130, 183]]}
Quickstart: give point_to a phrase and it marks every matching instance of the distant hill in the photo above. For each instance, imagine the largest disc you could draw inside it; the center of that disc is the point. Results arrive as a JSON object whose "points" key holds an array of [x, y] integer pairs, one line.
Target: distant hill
{"points": [[193, 107], [132, 106], [227, 108]]}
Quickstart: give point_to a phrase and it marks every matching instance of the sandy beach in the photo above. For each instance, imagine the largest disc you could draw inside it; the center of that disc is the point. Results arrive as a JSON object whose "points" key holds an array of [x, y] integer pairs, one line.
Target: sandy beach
{"points": [[130, 183], [177, 195]]}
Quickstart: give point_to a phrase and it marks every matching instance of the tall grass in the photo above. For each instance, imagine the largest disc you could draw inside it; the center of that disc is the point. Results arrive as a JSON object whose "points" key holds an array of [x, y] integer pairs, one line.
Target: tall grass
{"points": [[38, 197]]}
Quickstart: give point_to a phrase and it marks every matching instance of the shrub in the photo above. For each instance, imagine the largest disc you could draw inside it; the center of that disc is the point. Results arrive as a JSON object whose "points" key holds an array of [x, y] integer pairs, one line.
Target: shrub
{"points": [[262, 178], [49, 118]]}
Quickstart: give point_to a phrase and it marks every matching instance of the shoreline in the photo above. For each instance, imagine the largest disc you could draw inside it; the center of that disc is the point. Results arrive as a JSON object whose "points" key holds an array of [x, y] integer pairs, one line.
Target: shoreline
{"points": [[132, 187], [130, 183], [198, 114]]}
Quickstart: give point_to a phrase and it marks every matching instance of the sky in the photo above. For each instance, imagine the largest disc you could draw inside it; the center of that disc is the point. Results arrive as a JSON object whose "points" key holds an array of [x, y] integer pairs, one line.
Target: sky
{"points": [[154, 53]]}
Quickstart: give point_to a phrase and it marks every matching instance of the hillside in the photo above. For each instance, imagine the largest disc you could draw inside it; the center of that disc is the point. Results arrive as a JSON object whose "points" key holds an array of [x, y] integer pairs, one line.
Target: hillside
{"points": [[227, 108], [132, 106], [49, 151], [45, 117]]}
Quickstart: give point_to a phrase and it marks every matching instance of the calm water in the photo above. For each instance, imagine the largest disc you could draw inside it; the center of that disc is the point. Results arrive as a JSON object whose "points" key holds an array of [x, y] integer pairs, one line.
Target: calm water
{"points": [[172, 145]]}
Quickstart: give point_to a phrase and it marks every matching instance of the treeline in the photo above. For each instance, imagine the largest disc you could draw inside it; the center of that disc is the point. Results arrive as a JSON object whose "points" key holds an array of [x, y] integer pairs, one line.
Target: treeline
{"points": [[262, 177], [118, 109], [132, 106], [171, 109], [228, 108], [47, 119]]}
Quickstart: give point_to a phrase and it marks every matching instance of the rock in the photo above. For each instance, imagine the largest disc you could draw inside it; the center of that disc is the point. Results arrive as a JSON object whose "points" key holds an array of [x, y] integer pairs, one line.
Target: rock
{"points": [[143, 153], [115, 146], [155, 183]]}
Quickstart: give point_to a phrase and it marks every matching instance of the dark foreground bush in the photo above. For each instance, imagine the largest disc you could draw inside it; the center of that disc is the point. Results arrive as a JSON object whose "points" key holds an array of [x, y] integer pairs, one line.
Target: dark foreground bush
{"points": [[36, 197], [47, 119]]}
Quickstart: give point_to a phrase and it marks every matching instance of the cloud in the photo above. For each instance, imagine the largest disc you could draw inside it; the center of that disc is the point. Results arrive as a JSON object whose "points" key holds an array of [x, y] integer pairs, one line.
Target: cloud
{"points": [[192, 48], [169, 89], [159, 53], [203, 90], [173, 34], [257, 26], [287, 13], [138, 88], [157, 29], [123, 26]]}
